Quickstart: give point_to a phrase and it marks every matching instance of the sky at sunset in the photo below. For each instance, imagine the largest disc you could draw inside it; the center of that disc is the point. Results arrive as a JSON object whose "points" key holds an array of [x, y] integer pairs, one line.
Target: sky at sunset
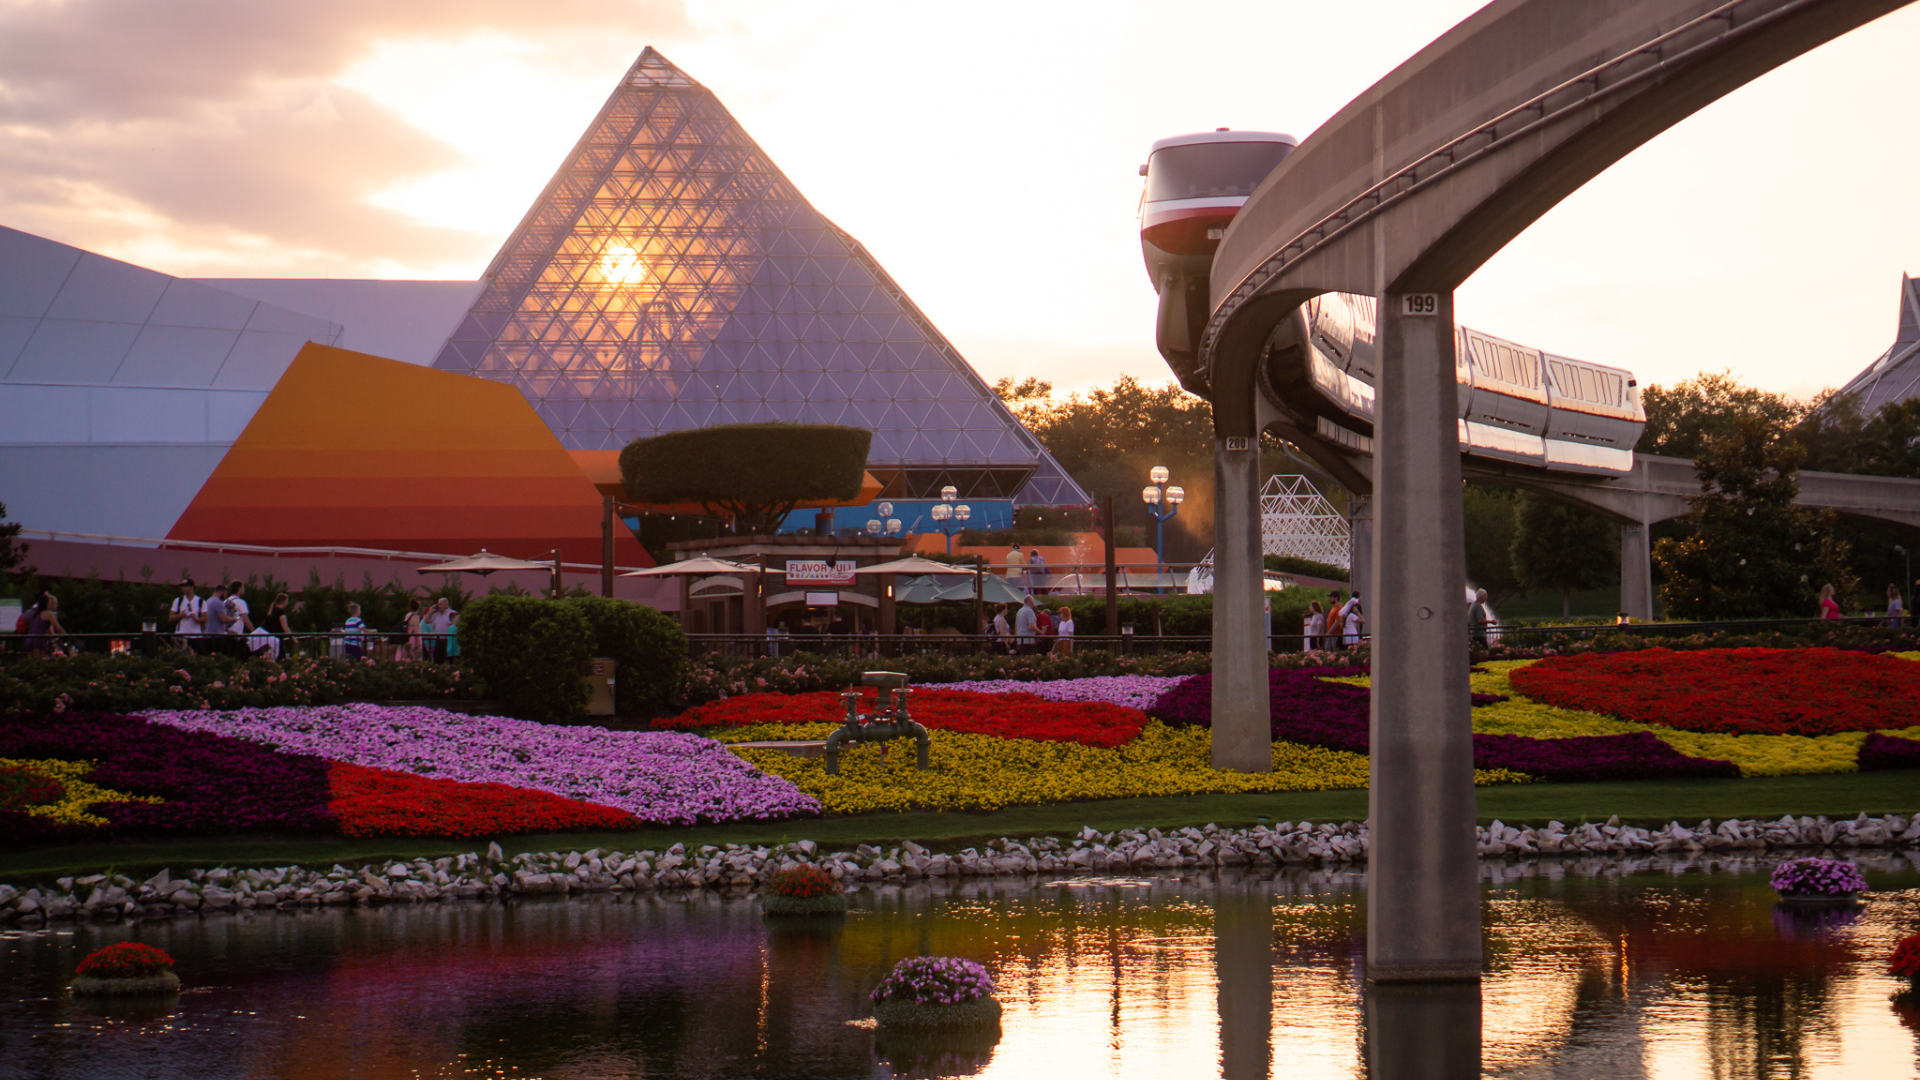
{"points": [[986, 155]]}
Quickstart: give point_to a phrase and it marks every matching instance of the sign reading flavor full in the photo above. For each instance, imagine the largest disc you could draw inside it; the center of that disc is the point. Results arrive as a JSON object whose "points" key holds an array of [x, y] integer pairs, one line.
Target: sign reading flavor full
{"points": [[820, 571]]}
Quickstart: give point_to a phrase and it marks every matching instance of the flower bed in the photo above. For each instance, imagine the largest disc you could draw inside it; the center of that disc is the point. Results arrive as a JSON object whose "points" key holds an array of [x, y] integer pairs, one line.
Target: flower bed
{"points": [[1309, 707], [935, 991], [1739, 691], [983, 772], [194, 783], [124, 960], [381, 802], [1129, 691], [803, 890], [1879, 751], [1012, 715], [659, 777]]}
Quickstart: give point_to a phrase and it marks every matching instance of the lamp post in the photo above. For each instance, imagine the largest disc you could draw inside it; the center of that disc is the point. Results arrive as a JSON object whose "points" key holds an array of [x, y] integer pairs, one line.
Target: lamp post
{"points": [[949, 518], [1156, 495]]}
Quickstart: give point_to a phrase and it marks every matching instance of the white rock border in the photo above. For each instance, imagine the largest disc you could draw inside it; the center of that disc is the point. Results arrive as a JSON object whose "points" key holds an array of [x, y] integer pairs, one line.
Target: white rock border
{"points": [[491, 875]]}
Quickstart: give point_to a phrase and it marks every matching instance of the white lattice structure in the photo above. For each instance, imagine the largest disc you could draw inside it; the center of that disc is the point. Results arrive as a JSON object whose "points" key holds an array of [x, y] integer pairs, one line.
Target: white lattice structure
{"points": [[1295, 519]]}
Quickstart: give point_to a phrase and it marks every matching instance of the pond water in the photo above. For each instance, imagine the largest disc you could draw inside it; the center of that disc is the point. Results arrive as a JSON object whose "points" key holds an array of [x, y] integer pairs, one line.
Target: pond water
{"points": [[1647, 969]]}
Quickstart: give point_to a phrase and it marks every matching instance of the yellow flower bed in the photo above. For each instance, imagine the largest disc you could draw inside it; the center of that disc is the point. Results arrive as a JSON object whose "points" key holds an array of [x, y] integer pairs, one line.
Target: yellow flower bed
{"points": [[72, 807], [981, 772], [1756, 755]]}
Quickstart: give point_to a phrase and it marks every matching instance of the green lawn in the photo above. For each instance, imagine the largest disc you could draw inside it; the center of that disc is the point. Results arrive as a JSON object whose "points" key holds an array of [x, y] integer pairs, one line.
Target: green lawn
{"points": [[1641, 802]]}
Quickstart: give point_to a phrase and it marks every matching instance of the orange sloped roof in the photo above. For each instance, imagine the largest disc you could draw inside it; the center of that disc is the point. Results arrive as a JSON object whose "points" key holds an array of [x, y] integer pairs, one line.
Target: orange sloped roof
{"points": [[361, 451]]}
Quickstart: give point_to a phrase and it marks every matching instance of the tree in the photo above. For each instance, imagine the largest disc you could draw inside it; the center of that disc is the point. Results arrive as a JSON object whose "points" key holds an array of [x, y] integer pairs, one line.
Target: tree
{"points": [[1489, 514], [1556, 546], [1681, 418], [12, 551], [754, 474], [1750, 552]]}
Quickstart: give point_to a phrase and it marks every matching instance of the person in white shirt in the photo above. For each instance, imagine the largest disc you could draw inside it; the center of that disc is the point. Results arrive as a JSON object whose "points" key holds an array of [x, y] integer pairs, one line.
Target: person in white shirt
{"points": [[437, 625], [186, 614], [1063, 632], [1352, 618], [1316, 626], [237, 605]]}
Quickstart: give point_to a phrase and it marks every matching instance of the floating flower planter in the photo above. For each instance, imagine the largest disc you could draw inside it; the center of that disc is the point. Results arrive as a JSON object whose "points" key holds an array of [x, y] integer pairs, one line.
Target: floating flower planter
{"points": [[935, 992], [803, 891], [1818, 883], [1906, 962], [128, 969]]}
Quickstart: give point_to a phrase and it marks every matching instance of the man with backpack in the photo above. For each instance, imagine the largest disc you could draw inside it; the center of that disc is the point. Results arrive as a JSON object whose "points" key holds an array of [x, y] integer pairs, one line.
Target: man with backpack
{"points": [[188, 615]]}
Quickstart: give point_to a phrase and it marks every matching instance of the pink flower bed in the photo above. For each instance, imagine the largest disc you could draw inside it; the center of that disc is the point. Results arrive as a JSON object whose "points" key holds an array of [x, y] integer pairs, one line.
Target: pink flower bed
{"points": [[1131, 691], [657, 776]]}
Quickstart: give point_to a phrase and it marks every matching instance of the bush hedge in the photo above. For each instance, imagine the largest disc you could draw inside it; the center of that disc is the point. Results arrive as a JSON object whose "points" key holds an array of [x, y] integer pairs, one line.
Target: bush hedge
{"points": [[99, 682], [650, 647], [531, 653]]}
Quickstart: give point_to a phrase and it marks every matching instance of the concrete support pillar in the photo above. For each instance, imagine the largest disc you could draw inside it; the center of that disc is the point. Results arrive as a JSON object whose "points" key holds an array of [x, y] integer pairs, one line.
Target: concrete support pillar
{"points": [[1243, 968], [1242, 705], [1360, 545], [1423, 889], [1423, 1032], [1636, 572]]}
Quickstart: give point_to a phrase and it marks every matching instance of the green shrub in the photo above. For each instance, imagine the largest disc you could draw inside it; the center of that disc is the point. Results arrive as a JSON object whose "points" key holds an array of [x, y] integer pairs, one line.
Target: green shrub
{"points": [[99, 682], [649, 646], [531, 653], [1294, 564]]}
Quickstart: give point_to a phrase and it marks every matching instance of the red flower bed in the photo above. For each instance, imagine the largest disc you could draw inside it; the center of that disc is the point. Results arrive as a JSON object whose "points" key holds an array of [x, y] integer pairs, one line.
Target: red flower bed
{"points": [[380, 802], [1734, 691], [22, 788], [124, 960], [1009, 716], [802, 883]]}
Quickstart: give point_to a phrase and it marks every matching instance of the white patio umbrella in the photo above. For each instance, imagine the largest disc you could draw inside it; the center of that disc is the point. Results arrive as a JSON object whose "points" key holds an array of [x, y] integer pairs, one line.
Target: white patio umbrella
{"points": [[483, 564], [916, 566], [703, 566]]}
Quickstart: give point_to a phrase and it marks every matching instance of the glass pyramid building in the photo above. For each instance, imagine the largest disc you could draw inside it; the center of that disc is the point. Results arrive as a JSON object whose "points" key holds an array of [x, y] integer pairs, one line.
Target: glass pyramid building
{"points": [[670, 276]]}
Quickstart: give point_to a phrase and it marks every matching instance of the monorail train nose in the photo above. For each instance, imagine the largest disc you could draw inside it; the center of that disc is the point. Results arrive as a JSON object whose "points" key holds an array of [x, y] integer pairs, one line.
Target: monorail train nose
{"points": [[1195, 185]]}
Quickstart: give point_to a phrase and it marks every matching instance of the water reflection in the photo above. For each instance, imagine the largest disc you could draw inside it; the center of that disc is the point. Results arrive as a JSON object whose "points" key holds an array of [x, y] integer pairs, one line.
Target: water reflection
{"points": [[1676, 970]]}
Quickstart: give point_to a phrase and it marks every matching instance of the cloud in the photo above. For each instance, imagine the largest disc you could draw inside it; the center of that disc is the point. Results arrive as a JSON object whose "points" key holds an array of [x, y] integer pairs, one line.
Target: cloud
{"points": [[212, 134]]}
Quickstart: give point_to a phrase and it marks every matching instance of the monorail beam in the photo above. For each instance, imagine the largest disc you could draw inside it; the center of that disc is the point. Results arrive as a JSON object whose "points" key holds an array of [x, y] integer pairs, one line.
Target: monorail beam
{"points": [[1423, 892], [1242, 699]]}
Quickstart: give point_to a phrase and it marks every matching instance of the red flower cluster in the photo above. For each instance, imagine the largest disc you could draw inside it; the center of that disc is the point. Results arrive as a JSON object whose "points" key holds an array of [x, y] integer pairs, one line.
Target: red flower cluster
{"points": [[1008, 716], [380, 802], [1734, 691], [127, 959], [802, 883], [1906, 958], [23, 787]]}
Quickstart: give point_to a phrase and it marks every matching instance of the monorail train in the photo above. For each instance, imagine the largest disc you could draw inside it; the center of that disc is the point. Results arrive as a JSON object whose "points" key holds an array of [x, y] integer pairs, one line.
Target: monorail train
{"points": [[1517, 404]]}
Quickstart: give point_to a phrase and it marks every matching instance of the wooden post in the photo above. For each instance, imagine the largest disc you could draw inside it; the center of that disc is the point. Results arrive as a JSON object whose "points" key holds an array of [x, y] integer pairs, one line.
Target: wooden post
{"points": [[606, 547], [1113, 572]]}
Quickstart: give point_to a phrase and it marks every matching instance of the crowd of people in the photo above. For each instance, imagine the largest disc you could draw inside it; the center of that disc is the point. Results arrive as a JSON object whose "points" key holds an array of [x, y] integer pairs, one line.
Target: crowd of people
{"points": [[1339, 625], [1032, 631], [223, 623]]}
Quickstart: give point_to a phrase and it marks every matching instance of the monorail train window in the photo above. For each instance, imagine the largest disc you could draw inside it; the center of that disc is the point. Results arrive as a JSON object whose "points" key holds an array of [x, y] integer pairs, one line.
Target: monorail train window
{"points": [[1211, 170]]}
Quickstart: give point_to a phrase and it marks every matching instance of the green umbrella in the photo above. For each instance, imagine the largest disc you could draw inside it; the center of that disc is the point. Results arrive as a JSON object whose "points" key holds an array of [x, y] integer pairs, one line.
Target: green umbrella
{"points": [[993, 590]]}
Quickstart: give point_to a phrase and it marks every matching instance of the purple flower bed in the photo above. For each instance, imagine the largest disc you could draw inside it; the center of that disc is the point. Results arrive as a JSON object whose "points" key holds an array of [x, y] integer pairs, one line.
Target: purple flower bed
{"points": [[1639, 755], [658, 776], [1887, 752], [1132, 691], [934, 980], [1817, 877], [211, 784], [1308, 709]]}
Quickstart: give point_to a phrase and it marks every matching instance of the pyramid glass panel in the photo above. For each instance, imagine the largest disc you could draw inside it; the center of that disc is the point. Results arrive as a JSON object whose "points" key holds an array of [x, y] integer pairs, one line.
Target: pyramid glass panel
{"points": [[671, 276]]}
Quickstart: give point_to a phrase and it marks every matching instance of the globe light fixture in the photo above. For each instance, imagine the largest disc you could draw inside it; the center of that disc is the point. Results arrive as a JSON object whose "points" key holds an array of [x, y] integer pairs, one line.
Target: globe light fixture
{"points": [[1163, 503], [940, 511], [949, 493], [894, 526], [947, 517], [873, 527]]}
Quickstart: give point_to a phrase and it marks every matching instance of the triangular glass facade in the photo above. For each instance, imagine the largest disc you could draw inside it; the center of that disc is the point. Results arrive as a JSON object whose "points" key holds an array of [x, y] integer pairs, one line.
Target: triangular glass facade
{"points": [[1895, 376], [671, 277]]}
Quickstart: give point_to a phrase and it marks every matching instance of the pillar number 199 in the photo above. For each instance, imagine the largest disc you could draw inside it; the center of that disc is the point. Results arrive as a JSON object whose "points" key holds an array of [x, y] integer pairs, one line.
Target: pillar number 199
{"points": [[1420, 305]]}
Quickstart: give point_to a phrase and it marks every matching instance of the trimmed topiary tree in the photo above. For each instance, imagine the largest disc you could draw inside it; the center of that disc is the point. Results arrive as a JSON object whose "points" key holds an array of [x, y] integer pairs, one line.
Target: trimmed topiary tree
{"points": [[755, 474], [532, 654], [650, 647]]}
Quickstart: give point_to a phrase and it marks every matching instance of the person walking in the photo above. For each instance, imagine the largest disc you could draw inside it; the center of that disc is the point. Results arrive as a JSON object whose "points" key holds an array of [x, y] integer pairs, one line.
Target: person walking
{"points": [[1478, 617], [1896, 607], [1002, 630], [353, 641], [237, 605], [273, 632], [219, 622], [1037, 573], [187, 614], [1829, 607], [1352, 620], [1063, 632], [43, 627], [439, 624], [1017, 568], [1025, 627], [416, 614], [1314, 627]]}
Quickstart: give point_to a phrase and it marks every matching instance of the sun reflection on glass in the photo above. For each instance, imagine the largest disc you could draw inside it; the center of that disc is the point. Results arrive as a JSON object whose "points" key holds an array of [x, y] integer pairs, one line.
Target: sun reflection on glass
{"points": [[622, 265]]}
